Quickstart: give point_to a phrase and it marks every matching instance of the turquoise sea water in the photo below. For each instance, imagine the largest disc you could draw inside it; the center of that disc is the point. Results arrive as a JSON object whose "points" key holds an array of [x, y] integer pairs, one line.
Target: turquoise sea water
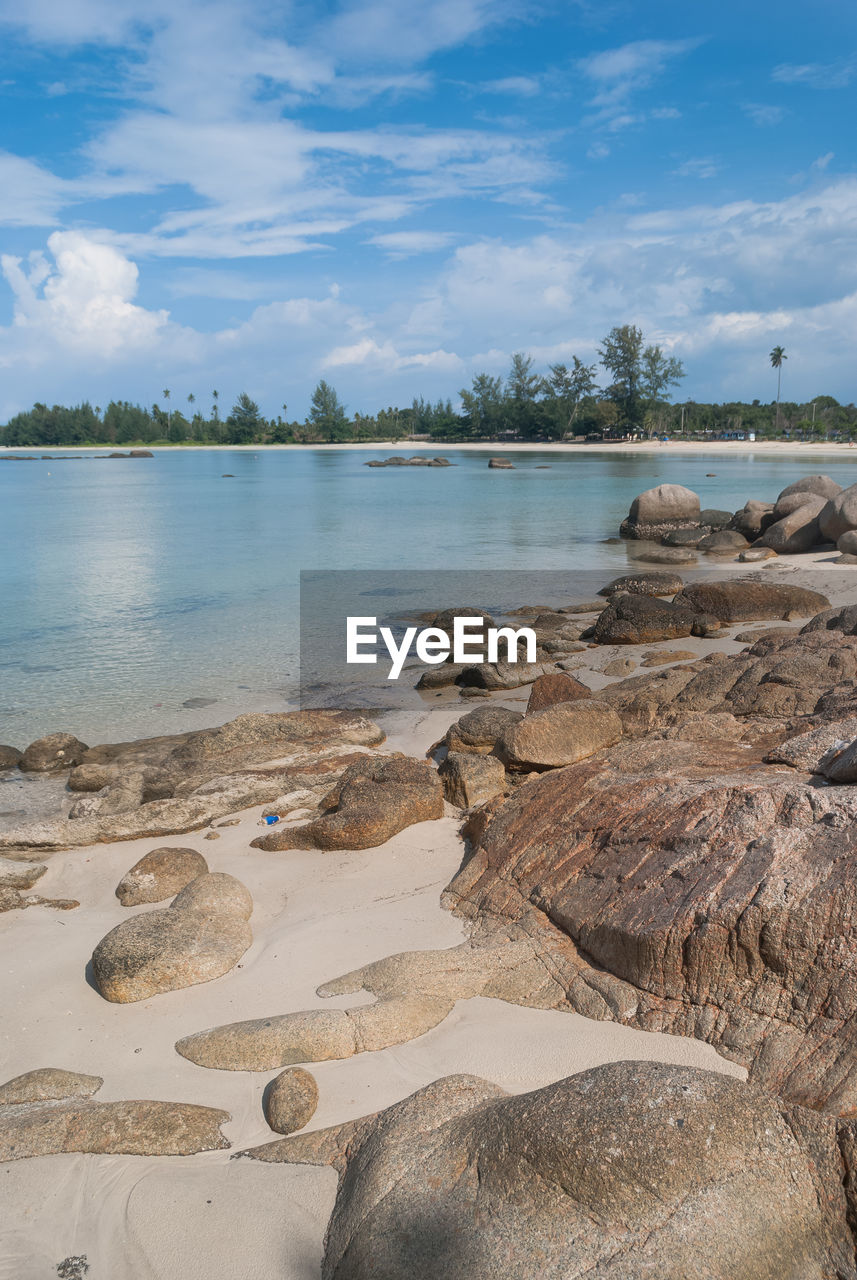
{"points": [[131, 586]]}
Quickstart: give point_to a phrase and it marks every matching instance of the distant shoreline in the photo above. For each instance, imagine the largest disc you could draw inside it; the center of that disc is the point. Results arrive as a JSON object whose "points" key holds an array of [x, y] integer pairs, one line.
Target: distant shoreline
{"points": [[727, 448]]}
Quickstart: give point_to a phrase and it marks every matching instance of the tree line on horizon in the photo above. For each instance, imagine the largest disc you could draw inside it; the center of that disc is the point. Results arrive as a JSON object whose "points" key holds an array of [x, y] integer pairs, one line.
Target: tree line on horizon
{"points": [[563, 403]]}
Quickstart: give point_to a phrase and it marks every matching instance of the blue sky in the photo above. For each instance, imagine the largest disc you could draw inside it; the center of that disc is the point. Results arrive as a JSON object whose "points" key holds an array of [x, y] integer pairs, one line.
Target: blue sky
{"points": [[252, 195]]}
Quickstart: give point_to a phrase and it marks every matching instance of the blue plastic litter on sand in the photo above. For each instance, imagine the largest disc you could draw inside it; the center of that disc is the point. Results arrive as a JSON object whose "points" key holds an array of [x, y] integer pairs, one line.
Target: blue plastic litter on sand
{"points": [[271, 819]]}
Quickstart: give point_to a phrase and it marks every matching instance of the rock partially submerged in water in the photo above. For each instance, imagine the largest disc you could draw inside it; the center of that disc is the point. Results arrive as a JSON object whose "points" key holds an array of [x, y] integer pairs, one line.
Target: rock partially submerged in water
{"points": [[627, 1170], [200, 936], [10, 757], [55, 752], [655, 512]]}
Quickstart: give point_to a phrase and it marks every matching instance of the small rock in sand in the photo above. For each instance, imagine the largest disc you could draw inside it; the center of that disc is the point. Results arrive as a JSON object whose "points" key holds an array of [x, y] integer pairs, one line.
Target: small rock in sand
{"points": [[290, 1100]]}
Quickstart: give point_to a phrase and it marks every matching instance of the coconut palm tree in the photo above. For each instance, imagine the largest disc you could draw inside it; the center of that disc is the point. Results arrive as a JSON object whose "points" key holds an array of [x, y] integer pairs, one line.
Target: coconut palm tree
{"points": [[191, 398], [778, 355], [214, 408], [166, 394]]}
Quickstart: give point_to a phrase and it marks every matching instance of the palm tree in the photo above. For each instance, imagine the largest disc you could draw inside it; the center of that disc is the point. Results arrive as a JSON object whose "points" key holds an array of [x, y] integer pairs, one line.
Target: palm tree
{"points": [[191, 398], [214, 409], [169, 410], [778, 355]]}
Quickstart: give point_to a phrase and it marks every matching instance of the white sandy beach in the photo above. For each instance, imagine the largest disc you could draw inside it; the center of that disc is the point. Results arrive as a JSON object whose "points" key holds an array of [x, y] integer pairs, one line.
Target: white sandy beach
{"points": [[317, 915], [405, 448]]}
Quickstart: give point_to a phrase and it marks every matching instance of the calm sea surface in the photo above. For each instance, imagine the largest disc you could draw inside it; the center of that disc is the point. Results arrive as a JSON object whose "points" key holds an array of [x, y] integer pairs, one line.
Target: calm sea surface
{"points": [[131, 587]]}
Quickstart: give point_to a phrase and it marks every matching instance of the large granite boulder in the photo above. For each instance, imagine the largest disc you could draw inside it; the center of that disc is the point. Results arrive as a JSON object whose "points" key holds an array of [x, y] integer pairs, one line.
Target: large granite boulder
{"points": [[714, 891], [639, 619], [626, 1171], [656, 511], [479, 731], [372, 802], [746, 600], [817, 486], [795, 529], [201, 935], [10, 757], [52, 753], [159, 875], [839, 515], [561, 734]]}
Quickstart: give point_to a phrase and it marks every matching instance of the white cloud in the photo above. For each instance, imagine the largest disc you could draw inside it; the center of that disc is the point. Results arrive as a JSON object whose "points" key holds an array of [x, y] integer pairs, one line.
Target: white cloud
{"points": [[83, 300], [698, 167], [30, 196], [403, 244], [385, 356], [817, 75], [763, 113], [517, 86]]}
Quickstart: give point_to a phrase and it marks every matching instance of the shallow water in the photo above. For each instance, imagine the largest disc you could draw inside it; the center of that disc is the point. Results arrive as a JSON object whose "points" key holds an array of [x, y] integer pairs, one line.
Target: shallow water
{"points": [[130, 587]]}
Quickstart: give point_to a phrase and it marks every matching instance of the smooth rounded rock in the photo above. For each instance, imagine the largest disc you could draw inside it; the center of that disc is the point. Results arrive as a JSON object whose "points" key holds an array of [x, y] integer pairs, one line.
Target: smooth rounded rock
{"points": [[10, 757], [159, 875], [290, 1101], [200, 936]]}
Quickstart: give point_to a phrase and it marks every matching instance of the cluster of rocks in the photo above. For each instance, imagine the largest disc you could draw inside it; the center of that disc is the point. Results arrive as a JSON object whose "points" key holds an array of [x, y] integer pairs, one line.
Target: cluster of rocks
{"points": [[813, 512], [183, 782], [418, 460], [50, 1111]]}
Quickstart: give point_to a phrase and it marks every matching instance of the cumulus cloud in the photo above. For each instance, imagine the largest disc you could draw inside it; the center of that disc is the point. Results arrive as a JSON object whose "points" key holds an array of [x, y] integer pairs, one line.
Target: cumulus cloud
{"points": [[83, 299]]}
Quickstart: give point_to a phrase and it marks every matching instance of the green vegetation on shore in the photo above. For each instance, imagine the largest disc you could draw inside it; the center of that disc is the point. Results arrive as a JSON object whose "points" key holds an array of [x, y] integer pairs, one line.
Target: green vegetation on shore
{"points": [[561, 403]]}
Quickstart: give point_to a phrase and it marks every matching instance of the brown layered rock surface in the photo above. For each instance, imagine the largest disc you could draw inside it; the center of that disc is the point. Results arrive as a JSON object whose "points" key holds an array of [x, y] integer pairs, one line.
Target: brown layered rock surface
{"points": [[373, 801], [746, 600], [626, 1171], [251, 760], [780, 677], [718, 889]]}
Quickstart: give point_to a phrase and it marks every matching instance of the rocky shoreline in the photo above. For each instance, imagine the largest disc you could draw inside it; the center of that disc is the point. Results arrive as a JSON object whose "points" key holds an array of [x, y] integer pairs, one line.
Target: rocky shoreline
{"points": [[648, 830]]}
